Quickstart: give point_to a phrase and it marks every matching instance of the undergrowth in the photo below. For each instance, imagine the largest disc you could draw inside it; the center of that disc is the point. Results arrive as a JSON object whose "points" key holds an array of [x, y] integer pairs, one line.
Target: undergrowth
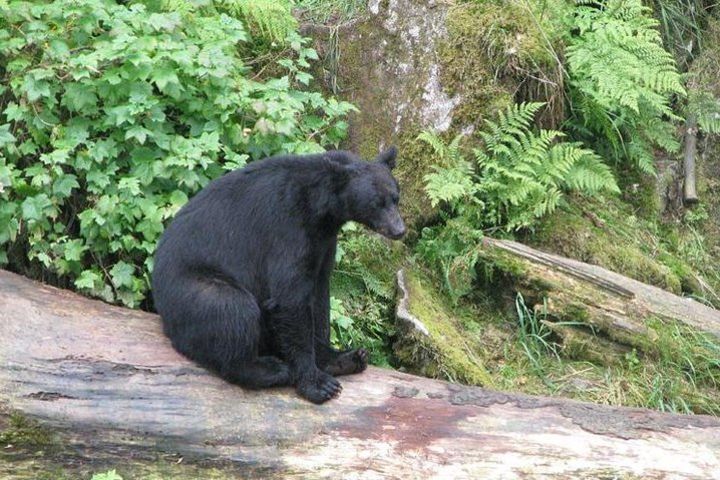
{"points": [[363, 293], [679, 372]]}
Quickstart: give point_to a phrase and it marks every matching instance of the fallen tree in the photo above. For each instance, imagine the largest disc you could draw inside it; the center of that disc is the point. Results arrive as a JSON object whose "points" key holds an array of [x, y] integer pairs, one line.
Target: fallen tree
{"points": [[103, 382], [612, 304]]}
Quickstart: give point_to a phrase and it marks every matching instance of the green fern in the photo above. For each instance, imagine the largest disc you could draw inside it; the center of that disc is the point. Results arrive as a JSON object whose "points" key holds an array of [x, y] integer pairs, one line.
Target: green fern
{"points": [[272, 19], [519, 175], [522, 174], [706, 109], [451, 179], [622, 79]]}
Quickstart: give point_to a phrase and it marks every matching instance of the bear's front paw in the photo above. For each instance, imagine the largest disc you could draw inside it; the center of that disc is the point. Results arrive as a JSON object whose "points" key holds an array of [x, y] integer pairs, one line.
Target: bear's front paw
{"points": [[321, 389]]}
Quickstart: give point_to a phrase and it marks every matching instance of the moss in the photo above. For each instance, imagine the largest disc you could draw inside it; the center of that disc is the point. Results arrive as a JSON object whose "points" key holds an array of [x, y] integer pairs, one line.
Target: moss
{"points": [[502, 51], [467, 70], [446, 352], [23, 432], [73, 468], [30, 450], [606, 233]]}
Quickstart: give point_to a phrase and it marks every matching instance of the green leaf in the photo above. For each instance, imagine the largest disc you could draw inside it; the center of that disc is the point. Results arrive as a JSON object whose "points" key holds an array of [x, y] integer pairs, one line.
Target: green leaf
{"points": [[36, 89], [162, 77], [122, 274], [78, 97], [87, 280], [33, 207], [74, 250], [6, 137], [63, 186], [164, 21], [138, 133]]}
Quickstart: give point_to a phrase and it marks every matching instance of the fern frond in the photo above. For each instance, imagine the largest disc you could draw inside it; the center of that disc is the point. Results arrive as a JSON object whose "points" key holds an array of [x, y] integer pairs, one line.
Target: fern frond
{"points": [[448, 154], [589, 174], [706, 109], [450, 184], [272, 19], [622, 78]]}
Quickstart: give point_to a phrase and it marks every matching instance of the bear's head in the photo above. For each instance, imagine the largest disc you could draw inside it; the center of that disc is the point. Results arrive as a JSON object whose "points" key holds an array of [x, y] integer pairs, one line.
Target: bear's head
{"points": [[372, 196]]}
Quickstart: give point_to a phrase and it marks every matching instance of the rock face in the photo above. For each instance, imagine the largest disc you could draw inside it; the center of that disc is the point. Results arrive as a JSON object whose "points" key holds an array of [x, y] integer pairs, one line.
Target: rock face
{"points": [[418, 65], [390, 69]]}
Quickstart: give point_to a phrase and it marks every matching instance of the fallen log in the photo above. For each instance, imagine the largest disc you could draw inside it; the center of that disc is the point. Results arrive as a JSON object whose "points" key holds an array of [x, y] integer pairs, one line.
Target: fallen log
{"points": [[106, 382], [619, 307]]}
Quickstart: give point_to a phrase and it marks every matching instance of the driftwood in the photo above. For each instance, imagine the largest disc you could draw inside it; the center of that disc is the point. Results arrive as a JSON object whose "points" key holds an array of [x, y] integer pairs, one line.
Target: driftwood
{"points": [[611, 304], [108, 383], [689, 188]]}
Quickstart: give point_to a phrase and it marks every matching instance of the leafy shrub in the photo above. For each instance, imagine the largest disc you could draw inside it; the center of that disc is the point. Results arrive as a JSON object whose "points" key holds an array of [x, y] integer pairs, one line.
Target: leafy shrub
{"points": [[518, 177], [622, 80], [112, 115]]}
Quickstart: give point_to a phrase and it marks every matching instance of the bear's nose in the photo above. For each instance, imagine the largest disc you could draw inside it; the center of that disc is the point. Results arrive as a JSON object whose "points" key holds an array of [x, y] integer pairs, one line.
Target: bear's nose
{"points": [[398, 233]]}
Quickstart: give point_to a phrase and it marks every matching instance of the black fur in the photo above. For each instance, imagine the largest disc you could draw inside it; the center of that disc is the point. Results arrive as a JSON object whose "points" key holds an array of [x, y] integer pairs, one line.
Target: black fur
{"points": [[241, 276]]}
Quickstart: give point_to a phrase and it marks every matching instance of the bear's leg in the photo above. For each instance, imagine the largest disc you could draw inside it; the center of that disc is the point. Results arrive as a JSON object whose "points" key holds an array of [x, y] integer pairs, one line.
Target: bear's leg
{"points": [[262, 372], [296, 342], [334, 362], [217, 324]]}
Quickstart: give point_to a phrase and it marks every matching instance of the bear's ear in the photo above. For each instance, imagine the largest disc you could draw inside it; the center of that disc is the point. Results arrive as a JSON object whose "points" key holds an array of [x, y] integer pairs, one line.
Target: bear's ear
{"points": [[387, 157], [340, 166]]}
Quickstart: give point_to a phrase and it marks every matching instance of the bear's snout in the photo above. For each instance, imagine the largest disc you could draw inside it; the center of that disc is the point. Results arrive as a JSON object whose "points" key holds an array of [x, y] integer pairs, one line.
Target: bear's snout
{"points": [[393, 227]]}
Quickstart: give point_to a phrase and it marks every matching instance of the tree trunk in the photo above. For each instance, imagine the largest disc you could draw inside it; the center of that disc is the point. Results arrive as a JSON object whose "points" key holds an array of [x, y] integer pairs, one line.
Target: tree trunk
{"points": [[689, 190], [107, 383]]}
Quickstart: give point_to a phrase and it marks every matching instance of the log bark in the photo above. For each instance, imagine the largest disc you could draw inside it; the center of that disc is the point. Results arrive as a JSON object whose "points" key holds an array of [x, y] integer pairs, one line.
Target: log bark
{"points": [[108, 381], [613, 304]]}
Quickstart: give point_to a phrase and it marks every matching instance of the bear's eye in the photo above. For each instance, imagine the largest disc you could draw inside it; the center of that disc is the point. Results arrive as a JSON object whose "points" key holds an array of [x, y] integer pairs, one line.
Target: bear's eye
{"points": [[395, 199]]}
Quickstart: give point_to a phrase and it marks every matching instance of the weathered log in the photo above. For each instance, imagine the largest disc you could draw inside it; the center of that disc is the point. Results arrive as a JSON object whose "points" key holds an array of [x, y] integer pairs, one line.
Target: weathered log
{"points": [[689, 188], [613, 304], [108, 383]]}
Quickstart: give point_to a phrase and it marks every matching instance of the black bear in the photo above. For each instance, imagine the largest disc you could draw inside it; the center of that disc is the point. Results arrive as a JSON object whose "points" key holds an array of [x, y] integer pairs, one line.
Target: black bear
{"points": [[241, 275]]}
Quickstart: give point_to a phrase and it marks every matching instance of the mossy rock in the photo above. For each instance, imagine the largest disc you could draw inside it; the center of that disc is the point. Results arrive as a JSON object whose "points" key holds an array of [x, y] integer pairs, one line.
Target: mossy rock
{"points": [[416, 65]]}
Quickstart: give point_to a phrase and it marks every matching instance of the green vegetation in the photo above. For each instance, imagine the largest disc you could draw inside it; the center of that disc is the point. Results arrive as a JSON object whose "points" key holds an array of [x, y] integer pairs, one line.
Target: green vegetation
{"points": [[621, 82], [112, 115], [109, 475], [22, 432], [625, 97], [518, 177], [363, 289], [446, 352], [323, 11], [678, 373]]}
